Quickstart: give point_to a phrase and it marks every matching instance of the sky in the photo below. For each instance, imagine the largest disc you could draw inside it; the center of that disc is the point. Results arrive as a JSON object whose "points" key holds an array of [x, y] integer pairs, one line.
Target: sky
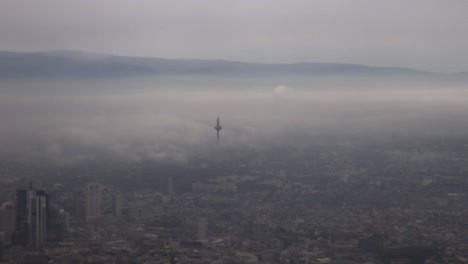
{"points": [[421, 34]]}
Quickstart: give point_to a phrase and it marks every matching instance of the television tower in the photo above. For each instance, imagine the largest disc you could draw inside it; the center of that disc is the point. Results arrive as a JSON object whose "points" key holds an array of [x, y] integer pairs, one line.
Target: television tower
{"points": [[218, 128]]}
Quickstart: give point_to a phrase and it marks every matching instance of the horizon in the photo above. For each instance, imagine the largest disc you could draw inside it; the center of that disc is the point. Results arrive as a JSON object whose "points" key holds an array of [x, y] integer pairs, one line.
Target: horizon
{"points": [[426, 35], [82, 52]]}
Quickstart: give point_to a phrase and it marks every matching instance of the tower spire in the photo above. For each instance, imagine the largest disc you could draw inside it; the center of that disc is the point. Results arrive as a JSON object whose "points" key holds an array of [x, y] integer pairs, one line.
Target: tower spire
{"points": [[218, 128]]}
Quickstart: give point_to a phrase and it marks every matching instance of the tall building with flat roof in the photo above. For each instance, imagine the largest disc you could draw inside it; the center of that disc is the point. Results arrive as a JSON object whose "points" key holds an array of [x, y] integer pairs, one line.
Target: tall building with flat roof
{"points": [[21, 234], [32, 217], [7, 220], [39, 219], [93, 201]]}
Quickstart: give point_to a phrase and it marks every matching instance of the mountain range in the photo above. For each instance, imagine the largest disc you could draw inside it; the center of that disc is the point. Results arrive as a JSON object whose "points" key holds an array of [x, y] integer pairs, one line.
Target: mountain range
{"points": [[75, 64]]}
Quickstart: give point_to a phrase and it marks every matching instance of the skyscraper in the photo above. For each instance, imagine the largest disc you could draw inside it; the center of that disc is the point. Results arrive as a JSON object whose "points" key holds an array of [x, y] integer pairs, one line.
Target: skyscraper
{"points": [[93, 201], [7, 220], [22, 211], [32, 212], [39, 219]]}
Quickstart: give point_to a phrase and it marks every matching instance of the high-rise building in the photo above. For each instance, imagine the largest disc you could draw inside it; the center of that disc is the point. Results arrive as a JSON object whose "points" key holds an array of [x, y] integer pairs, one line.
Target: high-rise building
{"points": [[39, 219], [93, 201], [117, 205], [21, 234], [7, 220], [32, 212]]}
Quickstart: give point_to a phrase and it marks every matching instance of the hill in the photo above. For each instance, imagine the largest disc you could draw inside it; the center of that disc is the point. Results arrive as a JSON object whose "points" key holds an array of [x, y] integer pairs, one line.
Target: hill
{"points": [[74, 64]]}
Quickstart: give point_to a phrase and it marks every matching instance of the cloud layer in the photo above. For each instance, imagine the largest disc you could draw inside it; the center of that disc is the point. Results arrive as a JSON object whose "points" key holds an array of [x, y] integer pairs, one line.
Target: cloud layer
{"points": [[169, 124]]}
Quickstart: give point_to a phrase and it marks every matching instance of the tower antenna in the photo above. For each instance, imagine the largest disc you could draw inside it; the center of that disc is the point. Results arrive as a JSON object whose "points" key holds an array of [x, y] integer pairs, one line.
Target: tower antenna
{"points": [[218, 128]]}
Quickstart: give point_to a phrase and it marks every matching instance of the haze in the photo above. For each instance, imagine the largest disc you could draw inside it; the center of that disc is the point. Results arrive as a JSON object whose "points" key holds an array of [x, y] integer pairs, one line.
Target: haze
{"points": [[69, 107], [136, 121]]}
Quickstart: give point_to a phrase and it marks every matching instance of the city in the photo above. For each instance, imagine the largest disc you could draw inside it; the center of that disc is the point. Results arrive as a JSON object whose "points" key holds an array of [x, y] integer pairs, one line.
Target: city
{"points": [[259, 210]]}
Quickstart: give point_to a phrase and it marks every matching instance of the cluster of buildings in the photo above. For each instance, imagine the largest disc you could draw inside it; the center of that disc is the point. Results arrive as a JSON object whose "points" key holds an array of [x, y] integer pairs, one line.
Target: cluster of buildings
{"points": [[33, 221], [26, 223], [290, 221], [262, 212]]}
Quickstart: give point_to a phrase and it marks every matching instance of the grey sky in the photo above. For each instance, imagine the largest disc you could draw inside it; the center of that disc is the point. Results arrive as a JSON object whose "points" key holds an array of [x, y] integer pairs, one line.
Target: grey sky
{"points": [[421, 34]]}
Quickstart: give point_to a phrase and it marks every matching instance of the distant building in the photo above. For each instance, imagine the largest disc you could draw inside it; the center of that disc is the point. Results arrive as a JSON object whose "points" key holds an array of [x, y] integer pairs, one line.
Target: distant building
{"points": [[21, 234], [32, 217], [38, 219], [7, 220], [93, 201], [117, 205]]}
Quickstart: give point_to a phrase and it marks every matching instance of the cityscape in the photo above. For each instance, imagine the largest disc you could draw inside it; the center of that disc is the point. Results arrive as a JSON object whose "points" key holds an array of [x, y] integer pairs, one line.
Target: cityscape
{"points": [[258, 208], [233, 132]]}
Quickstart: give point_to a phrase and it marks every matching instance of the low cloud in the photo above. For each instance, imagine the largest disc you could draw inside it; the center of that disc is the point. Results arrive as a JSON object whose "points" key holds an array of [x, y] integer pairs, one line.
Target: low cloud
{"points": [[168, 125]]}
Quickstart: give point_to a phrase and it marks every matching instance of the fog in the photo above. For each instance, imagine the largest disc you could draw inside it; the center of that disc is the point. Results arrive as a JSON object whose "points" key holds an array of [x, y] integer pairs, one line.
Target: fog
{"points": [[68, 123]]}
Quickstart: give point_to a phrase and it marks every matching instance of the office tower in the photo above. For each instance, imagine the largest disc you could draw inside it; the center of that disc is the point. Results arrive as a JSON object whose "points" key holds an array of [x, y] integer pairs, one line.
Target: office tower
{"points": [[32, 217], [38, 219], [117, 205], [202, 228], [21, 233], [7, 220], [93, 201]]}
